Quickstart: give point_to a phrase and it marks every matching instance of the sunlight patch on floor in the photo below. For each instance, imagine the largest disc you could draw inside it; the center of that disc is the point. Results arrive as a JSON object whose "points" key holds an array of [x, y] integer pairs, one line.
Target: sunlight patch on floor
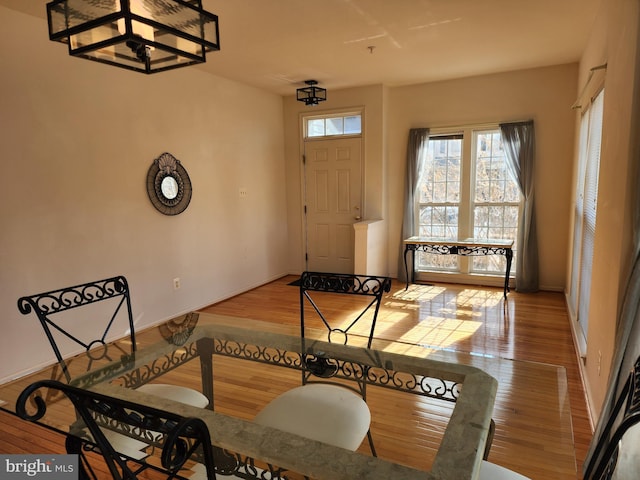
{"points": [[429, 316], [479, 298], [415, 293], [440, 332]]}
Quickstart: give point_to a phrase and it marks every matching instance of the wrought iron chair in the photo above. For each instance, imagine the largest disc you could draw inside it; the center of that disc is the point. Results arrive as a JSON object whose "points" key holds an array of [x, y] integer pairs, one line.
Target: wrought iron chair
{"points": [[322, 409], [175, 440], [616, 454], [106, 303]]}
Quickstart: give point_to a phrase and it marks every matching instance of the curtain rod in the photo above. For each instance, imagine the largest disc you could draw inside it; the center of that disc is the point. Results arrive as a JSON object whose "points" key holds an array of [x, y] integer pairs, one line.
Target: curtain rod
{"points": [[591, 71], [476, 126]]}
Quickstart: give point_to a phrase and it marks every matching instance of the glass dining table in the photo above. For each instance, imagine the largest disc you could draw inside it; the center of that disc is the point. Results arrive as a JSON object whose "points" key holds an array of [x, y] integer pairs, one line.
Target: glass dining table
{"points": [[234, 361]]}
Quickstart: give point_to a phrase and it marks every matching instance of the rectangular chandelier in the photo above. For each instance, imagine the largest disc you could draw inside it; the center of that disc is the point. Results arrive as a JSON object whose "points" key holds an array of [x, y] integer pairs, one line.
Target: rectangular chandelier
{"points": [[146, 36], [312, 94]]}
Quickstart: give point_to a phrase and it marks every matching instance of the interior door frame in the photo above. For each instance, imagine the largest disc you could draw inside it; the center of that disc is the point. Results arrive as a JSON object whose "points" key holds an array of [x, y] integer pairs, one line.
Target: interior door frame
{"points": [[302, 147]]}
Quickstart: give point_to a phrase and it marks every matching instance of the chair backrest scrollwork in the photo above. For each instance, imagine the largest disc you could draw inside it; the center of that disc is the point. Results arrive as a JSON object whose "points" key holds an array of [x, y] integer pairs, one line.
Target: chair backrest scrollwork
{"points": [[342, 321], [112, 294], [176, 439], [363, 285]]}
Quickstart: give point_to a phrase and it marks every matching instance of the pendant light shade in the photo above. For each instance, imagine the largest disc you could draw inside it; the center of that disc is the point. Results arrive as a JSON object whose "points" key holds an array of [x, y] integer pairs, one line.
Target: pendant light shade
{"points": [[147, 36], [311, 94]]}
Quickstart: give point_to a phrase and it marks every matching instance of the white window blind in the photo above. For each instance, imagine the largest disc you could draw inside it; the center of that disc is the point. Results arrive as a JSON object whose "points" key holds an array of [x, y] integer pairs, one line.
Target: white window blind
{"points": [[578, 215], [589, 207]]}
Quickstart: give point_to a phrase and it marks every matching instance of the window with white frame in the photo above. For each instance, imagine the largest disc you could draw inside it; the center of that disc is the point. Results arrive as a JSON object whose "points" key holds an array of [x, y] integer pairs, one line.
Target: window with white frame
{"points": [[333, 125], [466, 190]]}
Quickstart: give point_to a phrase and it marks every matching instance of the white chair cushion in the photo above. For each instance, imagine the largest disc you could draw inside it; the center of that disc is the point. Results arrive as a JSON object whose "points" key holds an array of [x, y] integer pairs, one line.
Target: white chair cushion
{"points": [[135, 448], [628, 455], [327, 413], [126, 445], [491, 471], [176, 393]]}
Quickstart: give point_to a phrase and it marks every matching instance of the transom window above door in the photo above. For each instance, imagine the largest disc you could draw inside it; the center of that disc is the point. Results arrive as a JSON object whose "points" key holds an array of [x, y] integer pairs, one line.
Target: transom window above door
{"points": [[338, 125], [466, 190]]}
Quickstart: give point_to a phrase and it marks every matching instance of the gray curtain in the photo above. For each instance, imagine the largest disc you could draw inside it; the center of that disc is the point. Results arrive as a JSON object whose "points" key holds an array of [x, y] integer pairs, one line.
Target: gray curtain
{"points": [[418, 138], [519, 145]]}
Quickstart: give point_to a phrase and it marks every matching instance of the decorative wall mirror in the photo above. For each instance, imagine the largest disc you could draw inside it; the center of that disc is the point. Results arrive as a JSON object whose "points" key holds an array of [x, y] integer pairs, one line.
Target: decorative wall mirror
{"points": [[168, 185]]}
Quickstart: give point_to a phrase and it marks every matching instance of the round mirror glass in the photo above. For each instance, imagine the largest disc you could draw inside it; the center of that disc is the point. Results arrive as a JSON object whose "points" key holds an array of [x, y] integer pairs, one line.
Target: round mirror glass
{"points": [[169, 187]]}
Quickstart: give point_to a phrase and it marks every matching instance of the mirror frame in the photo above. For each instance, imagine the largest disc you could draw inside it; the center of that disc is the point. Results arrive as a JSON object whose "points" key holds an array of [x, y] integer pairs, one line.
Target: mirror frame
{"points": [[166, 165]]}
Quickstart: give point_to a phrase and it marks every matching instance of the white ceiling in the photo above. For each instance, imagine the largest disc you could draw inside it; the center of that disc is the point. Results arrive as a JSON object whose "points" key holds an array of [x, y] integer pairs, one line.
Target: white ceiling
{"points": [[277, 44]]}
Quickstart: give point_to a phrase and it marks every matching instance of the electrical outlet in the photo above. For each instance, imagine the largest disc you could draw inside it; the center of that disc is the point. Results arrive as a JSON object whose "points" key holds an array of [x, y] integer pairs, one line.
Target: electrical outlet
{"points": [[243, 192], [176, 283]]}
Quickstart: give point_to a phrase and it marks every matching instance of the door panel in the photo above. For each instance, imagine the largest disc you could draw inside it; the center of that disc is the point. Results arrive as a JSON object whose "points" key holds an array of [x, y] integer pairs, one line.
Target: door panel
{"points": [[333, 199], [322, 241]]}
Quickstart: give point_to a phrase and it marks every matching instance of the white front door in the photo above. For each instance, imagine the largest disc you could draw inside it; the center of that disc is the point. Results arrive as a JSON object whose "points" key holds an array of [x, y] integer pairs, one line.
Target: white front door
{"points": [[333, 186]]}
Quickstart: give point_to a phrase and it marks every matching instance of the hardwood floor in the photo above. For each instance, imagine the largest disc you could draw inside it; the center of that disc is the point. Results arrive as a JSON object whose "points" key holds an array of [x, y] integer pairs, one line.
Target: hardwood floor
{"points": [[532, 329], [529, 327]]}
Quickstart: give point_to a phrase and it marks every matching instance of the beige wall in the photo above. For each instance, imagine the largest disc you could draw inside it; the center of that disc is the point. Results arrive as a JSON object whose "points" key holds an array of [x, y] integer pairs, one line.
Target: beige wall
{"points": [[77, 140], [614, 40]]}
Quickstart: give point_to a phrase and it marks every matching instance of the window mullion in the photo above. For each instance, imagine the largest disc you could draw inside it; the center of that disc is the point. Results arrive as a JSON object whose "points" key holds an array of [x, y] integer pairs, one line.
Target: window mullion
{"points": [[465, 227]]}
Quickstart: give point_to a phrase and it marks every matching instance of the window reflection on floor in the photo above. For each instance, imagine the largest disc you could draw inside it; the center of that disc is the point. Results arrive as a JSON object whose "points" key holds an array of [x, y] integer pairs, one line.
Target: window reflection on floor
{"points": [[440, 318]]}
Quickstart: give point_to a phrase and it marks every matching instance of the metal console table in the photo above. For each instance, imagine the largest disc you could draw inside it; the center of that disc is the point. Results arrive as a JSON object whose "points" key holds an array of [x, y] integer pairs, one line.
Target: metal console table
{"points": [[466, 247]]}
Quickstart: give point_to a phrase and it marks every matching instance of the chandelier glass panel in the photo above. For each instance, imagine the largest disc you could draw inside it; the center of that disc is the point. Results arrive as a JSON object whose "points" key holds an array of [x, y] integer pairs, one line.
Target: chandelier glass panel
{"points": [[147, 36]]}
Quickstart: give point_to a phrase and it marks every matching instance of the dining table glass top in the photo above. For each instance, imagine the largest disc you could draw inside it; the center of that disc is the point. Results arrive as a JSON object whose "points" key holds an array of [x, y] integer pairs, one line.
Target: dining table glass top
{"points": [[447, 397]]}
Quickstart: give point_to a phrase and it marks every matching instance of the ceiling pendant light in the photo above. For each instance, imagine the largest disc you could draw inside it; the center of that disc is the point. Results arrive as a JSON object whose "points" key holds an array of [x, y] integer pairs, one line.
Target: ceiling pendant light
{"points": [[147, 36], [311, 95]]}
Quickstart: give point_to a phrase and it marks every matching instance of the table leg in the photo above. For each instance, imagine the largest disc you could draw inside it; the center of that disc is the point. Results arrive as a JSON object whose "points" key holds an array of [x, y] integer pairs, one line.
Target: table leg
{"points": [[508, 253], [406, 269], [205, 353]]}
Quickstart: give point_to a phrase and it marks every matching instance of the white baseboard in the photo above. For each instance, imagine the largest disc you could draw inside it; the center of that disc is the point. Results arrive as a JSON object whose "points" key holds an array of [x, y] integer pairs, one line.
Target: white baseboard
{"points": [[580, 345]]}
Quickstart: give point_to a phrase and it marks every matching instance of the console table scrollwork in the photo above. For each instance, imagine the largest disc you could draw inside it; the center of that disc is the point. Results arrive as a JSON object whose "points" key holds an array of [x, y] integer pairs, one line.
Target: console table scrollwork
{"points": [[467, 247]]}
